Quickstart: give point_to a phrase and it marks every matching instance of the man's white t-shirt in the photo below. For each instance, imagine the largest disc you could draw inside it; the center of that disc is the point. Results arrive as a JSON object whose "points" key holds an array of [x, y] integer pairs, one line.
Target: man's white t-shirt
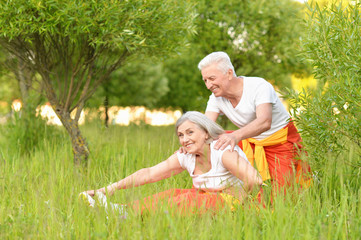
{"points": [[256, 91], [218, 177]]}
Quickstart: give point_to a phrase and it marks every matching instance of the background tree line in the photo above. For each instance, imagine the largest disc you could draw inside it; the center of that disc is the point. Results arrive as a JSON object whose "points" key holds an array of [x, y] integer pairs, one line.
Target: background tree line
{"points": [[140, 53]]}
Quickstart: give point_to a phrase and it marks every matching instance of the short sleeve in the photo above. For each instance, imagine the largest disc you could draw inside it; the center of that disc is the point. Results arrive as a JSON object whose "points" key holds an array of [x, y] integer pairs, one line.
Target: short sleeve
{"points": [[186, 161], [212, 105], [181, 158], [265, 93], [221, 155]]}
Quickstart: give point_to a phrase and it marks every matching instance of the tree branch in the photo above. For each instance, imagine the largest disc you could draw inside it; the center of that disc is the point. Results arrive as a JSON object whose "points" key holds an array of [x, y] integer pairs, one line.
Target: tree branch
{"points": [[106, 75]]}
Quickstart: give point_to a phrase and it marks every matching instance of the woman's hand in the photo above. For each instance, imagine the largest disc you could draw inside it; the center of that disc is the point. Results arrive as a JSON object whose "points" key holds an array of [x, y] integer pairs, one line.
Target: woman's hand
{"points": [[91, 192], [110, 190]]}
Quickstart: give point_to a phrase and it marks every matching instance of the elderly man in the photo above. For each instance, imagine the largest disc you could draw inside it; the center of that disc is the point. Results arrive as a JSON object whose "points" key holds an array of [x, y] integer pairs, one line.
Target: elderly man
{"points": [[266, 134]]}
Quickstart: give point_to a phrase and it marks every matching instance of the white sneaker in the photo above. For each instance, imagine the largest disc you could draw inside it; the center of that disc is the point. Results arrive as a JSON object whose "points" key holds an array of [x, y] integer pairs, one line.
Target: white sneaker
{"points": [[87, 199], [102, 200], [121, 209]]}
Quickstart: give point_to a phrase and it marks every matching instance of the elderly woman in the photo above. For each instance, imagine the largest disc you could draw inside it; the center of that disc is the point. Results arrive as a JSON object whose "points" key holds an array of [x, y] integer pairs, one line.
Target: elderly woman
{"points": [[219, 176]]}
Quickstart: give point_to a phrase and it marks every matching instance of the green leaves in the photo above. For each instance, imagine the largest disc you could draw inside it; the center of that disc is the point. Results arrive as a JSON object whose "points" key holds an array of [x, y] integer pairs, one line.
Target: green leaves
{"points": [[261, 38], [329, 116], [113, 24]]}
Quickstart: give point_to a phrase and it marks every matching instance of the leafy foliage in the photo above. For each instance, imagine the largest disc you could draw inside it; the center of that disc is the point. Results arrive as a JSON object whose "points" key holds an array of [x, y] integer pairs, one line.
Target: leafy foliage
{"points": [[140, 82], [26, 132], [106, 23], [261, 38], [75, 45], [73, 41], [329, 117], [186, 88], [9, 90]]}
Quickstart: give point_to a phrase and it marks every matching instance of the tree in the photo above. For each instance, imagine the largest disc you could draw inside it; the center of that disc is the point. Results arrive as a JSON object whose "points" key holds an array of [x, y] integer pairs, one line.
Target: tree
{"points": [[261, 38], [329, 116], [24, 76], [25, 130], [75, 45]]}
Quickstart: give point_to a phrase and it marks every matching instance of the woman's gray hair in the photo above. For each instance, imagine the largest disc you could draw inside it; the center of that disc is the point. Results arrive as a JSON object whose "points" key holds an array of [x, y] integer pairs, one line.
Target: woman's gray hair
{"points": [[203, 122], [221, 58]]}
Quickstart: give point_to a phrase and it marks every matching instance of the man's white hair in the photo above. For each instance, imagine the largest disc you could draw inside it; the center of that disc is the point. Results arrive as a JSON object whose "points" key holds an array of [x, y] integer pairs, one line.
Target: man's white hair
{"points": [[221, 58]]}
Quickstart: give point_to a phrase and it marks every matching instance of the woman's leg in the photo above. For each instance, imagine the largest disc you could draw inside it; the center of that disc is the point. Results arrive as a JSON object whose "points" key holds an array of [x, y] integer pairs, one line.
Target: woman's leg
{"points": [[181, 200]]}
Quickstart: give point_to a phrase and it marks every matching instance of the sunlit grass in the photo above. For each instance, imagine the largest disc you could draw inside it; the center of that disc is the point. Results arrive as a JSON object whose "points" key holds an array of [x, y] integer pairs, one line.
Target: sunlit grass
{"points": [[39, 195]]}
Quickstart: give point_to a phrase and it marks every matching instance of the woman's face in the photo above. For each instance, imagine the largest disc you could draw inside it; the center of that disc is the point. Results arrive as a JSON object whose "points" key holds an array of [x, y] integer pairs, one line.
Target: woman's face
{"points": [[191, 137]]}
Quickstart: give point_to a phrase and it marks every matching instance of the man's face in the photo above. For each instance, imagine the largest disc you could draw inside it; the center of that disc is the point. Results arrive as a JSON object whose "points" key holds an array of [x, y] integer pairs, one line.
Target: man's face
{"points": [[216, 80]]}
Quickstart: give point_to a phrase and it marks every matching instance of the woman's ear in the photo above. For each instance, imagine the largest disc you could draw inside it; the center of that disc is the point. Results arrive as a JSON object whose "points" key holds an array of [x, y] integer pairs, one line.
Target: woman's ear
{"points": [[208, 139]]}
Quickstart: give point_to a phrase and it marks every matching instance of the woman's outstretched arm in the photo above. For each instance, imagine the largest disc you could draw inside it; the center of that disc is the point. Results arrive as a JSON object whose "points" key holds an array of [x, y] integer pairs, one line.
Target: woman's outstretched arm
{"points": [[163, 170]]}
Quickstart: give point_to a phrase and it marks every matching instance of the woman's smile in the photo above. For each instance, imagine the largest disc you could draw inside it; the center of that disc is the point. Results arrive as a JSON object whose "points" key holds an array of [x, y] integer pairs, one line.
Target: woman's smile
{"points": [[191, 137]]}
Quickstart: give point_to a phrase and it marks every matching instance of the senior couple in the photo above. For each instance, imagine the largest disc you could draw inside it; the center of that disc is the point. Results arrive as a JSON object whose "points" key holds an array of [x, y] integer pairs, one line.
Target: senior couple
{"points": [[226, 167]]}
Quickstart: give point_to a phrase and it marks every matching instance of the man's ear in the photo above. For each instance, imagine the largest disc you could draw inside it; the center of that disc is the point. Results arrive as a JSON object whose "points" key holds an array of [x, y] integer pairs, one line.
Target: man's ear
{"points": [[230, 74]]}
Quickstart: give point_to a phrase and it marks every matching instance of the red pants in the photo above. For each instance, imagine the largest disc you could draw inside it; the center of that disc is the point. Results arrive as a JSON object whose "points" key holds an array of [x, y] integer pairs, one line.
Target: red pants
{"points": [[182, 200], [283, 160]]}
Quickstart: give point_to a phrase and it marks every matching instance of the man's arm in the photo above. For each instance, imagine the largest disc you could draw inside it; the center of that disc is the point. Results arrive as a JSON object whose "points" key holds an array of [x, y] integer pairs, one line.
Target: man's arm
{"points": [[261, 124], [212, 115]]}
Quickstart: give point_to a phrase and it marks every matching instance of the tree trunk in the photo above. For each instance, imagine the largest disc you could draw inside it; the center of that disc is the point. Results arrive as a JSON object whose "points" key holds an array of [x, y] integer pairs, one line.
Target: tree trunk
{"points": [[78, 142], [79, 145], [23, 83], [106, 108]]}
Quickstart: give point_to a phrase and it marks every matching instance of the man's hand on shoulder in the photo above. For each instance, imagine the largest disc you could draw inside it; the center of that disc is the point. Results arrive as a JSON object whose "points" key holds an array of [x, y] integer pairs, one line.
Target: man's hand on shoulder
{"points": [[226, 139], [181, 150]]}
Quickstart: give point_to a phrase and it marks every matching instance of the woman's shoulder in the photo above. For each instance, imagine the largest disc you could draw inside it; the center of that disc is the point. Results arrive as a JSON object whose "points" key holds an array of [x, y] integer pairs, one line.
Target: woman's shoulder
{"points": [[220, 153], [226, 149], [185, 156], [186, 160]]}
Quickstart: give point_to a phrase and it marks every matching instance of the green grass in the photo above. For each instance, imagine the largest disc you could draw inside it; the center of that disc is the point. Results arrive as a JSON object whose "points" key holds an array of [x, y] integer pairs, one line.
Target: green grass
{"points": [[39, 195]]}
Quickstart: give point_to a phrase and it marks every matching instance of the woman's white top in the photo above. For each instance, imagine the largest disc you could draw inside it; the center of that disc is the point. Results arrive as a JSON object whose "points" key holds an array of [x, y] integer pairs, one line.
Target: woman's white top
{"points": [[256, 91], [218, 177]]}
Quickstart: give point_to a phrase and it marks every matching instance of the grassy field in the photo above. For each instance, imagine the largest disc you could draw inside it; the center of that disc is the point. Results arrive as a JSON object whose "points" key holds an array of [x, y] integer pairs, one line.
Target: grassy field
{"points": [[39, 195]]}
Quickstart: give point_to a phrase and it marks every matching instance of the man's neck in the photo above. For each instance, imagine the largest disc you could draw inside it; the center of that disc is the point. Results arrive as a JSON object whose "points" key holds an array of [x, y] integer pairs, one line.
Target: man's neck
{"points": [[235, 91]]}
